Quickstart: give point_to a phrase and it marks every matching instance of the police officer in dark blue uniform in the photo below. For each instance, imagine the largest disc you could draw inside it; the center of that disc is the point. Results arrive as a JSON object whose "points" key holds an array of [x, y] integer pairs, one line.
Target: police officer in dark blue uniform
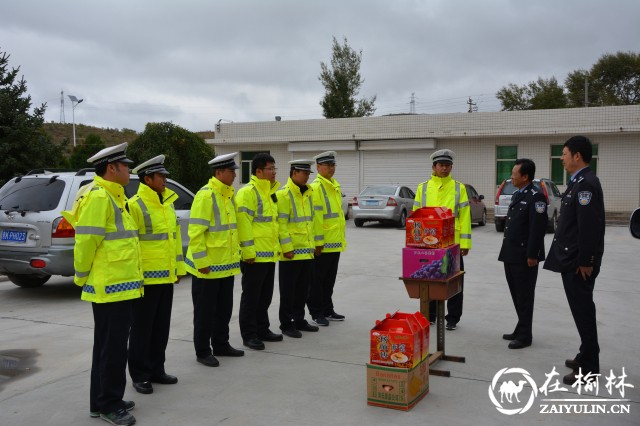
{"points": [[577, 248], [523, 247]]}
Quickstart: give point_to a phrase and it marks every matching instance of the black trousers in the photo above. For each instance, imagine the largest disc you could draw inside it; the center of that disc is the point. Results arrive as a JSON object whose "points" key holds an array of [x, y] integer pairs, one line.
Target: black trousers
{"points": [[294, 278], [580, 296], [320, 300], [212, 308], [454, 305], [257, 292], [521, 279], [150, 332], [109, 365]]}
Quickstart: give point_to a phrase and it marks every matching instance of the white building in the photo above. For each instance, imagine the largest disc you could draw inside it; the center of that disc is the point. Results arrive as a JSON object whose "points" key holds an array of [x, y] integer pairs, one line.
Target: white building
{"points": [[396, 149]]}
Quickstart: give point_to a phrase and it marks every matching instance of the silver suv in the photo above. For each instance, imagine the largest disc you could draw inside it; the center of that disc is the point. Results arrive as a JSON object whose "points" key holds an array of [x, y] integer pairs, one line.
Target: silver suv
{"points": [[36, 241], [547, 187]]}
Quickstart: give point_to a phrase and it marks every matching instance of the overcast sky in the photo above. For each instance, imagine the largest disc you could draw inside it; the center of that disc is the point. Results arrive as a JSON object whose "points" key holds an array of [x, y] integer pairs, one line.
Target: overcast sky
{"points": [[194, 62]]}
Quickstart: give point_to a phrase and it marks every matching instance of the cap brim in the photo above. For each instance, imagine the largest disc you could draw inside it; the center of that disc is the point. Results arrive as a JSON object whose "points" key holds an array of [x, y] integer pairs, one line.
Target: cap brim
{"points": [[124, 160]]}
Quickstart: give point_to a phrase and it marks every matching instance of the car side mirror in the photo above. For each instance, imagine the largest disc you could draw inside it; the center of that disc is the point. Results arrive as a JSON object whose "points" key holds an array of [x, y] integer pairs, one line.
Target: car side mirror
{"points": [[634, 223], [481, 197]]}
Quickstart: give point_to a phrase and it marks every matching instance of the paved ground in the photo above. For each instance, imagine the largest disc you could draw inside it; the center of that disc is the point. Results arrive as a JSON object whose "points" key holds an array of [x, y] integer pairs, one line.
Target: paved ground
{"points": [[320, 379]]}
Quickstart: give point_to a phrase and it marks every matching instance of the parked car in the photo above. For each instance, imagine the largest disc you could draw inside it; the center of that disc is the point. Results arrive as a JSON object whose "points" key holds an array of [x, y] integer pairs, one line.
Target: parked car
{"points": [[547, 187], [37, 241], [634, 223], [478, 209], [345, 206], [383, 203]]}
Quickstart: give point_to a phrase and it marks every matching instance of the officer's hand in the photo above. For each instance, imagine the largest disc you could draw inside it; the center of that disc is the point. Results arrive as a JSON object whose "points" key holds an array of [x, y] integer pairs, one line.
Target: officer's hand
{"points": [[288, 255], [319, 250], [532, 262], [179, 277], [464, 252], [250, 261], [204, 270], [584, 271]]}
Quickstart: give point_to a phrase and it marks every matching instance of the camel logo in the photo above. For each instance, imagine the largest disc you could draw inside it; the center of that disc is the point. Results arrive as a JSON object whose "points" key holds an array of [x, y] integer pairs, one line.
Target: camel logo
{"points": [[511, 389]]}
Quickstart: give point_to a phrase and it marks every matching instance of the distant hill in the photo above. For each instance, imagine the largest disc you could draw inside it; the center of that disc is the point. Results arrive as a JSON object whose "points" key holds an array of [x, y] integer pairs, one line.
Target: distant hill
{"points": [[59, 132]]}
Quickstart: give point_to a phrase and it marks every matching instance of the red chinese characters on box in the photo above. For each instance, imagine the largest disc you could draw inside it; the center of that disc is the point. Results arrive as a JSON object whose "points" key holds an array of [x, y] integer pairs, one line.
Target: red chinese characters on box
{"points": [[423, 324], [432, 227], [430, 264], [396, 343]]}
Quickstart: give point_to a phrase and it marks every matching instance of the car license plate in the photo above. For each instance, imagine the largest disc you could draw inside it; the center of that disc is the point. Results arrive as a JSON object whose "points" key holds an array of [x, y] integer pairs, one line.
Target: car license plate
{"points": [[371, 202], [16, 236]]}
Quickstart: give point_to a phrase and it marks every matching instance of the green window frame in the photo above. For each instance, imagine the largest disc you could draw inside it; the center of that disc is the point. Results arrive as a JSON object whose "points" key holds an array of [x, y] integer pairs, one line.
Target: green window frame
{"points": [[506, 156], [559, 175], [245, 164]]}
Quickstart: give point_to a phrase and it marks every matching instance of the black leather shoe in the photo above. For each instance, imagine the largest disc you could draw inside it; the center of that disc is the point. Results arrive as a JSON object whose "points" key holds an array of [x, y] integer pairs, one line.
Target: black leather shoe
{"points": [[572, 364], [143, 387], [165, 379], [511, 336], [292, 332], [254, 343], [209, 361], [518, 344], [228, 351], [307, 327], [270, 336]]}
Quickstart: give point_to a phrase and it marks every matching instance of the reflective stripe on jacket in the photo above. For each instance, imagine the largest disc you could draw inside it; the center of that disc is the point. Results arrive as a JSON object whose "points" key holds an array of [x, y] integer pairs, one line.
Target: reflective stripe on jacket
{"points": [[258, 220], [295, 220], [213, 233], [329, 221], [106, 255], [159, 234], [446, 192]]}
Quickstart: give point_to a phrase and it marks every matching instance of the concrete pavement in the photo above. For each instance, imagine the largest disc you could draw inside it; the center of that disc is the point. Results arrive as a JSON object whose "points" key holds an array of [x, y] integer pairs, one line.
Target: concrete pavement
{"points": [[320, 379]]}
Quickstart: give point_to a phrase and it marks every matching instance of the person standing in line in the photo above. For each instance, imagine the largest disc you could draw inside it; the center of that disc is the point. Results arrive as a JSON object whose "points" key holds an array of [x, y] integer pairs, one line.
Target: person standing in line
{"points": [[162, 264], [577, 249], [523, 248], [259, 243], [295, 218], [441, 190], [107, 263], [331, 240], [213, 260]]}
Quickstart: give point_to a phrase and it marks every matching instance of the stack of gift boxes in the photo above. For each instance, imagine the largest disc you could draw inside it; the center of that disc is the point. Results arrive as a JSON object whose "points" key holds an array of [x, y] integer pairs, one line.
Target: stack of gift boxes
{"points": [[398, 371]]}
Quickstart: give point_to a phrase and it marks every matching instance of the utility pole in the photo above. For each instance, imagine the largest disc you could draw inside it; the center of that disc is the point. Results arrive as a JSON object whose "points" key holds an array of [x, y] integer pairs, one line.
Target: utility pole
{"points": [[472, 105], [412, 103], [586, 91], [62, 107]]}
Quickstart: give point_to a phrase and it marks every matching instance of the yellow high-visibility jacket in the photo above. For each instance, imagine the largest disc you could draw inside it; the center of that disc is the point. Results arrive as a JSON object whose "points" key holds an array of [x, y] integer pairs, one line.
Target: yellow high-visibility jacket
{"points": [[329, 221], [106, 255], [213, 233], [295, 220], [258, 220], [446, 192], [159, 234]]}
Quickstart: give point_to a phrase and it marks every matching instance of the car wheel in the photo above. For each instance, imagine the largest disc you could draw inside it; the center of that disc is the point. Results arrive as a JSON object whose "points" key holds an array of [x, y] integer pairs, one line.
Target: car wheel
{"points": [[483, 220], [403, 219], [358, 222], [28, 280], [499, 226], [553, 223], [346, 215]]}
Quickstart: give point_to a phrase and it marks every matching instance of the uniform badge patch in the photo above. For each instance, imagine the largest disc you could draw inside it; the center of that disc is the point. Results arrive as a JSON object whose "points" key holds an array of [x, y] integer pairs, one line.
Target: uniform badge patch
{"points": [[541, 206], [584, 197]]}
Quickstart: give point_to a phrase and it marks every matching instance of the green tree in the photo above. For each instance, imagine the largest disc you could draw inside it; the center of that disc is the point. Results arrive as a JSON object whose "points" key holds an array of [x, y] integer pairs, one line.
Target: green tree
{"points": [[341, 80], [23, 143], [92, 144], [186, 153], [540, 94]]}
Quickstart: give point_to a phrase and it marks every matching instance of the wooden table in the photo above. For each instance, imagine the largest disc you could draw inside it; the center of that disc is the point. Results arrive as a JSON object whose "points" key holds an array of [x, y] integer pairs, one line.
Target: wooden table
{"points": [[439, 291]]}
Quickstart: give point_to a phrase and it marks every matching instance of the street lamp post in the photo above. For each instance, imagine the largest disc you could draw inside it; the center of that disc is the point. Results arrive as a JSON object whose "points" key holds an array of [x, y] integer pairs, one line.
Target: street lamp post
{"points": [[74, 103]]}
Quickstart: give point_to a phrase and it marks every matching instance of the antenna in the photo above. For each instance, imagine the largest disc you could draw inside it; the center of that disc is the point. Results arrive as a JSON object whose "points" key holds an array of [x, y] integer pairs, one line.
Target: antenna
{"points": [[62, 120], [473, 107], [412, 103]]}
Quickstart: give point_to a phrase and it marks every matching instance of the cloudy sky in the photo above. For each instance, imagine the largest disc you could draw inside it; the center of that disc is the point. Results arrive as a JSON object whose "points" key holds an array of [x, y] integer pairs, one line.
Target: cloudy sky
{"points": [[194, 62]]}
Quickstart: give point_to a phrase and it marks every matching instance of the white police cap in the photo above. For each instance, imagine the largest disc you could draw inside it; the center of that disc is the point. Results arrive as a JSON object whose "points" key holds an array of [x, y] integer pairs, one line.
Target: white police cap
{"points": [[225, 161], [155, 165], [304, 165], [328, 157], [443, 156], [112, 154]]}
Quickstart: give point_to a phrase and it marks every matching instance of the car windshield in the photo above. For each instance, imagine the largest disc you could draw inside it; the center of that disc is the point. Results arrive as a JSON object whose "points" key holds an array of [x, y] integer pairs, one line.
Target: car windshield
{"points": [[379, 190], [509, 188], [37, 195]]}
